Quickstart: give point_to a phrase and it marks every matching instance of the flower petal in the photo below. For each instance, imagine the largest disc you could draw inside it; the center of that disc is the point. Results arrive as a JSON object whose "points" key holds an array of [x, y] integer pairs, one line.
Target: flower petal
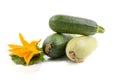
{"points": [[28, 57], [14, 46], [34, 43], [24, 42], [19, 52]]}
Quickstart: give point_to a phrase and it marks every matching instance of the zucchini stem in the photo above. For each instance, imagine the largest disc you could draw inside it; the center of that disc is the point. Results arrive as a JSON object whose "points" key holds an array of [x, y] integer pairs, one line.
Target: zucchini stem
{"points": [[100, 29]]}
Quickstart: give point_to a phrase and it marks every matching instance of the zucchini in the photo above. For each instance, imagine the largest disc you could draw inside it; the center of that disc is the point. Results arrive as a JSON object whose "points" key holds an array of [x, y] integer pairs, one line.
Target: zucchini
{"points": [[74, 25], [55, 44], [79, 48]]}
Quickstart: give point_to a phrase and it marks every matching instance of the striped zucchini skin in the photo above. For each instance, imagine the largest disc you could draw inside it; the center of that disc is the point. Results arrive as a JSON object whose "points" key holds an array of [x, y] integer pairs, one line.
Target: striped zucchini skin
{"points": [[74, 25]]}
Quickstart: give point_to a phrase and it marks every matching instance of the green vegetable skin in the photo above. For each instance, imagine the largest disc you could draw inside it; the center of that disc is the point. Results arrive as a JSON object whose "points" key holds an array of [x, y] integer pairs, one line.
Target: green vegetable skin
{"points": [[81, 47], [74, 25], [55, 44]]}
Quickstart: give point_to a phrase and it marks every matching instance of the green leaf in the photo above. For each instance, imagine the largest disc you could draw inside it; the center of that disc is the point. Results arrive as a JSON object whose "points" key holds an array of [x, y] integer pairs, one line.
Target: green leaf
{"points": [[36, 59], [20, 60]]}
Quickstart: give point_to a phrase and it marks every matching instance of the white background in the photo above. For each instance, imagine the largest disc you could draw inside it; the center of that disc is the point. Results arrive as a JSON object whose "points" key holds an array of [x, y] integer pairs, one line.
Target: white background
{"points": [[30, 17]]}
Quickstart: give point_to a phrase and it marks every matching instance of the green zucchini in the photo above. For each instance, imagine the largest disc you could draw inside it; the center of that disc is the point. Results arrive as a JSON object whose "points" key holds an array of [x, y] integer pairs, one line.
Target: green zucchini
{"points": [[74, 25], [55, 44]]}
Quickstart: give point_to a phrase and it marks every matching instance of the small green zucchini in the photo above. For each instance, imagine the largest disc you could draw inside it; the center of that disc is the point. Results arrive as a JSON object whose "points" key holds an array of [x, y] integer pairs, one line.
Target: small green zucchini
{"points": [[74, 25], [55, 44]]}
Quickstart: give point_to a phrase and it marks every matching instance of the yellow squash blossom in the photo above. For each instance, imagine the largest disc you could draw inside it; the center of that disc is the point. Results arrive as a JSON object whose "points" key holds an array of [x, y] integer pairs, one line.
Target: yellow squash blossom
{"points": [[27, 51]]}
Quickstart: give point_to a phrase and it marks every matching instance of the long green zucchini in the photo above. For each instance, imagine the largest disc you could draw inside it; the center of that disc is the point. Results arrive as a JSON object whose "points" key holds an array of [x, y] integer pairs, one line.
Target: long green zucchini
{"points": [[74, 25]]}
